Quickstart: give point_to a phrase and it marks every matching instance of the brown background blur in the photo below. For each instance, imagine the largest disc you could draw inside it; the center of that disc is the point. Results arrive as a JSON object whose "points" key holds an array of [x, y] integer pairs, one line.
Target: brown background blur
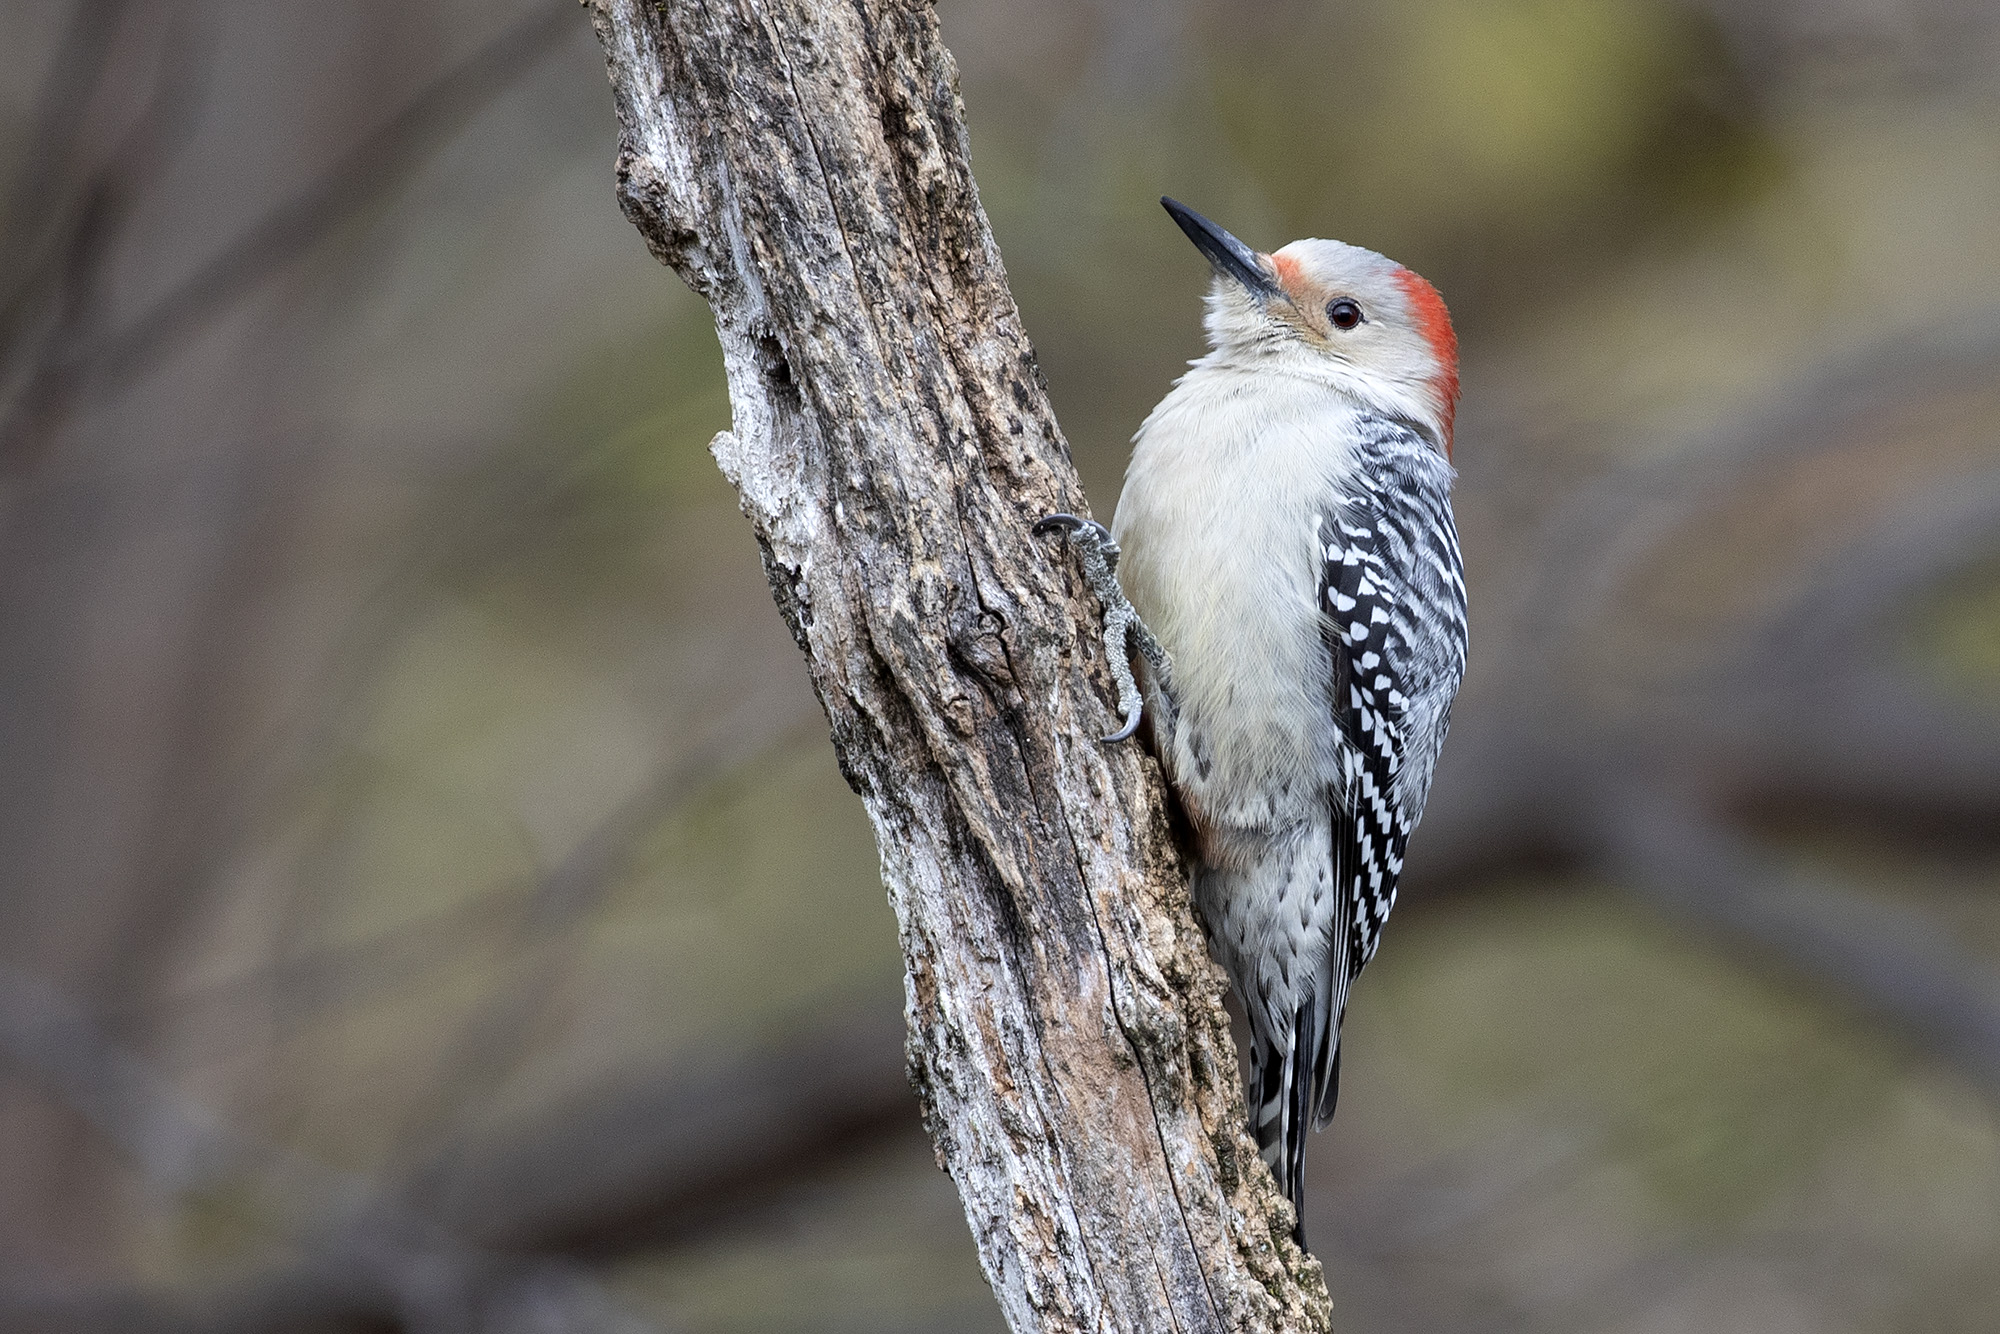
{"points": [[427, 897]]}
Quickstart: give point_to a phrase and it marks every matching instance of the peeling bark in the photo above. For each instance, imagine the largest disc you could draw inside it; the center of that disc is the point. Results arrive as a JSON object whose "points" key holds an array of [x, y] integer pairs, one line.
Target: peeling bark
{"points": [[803, 165]]}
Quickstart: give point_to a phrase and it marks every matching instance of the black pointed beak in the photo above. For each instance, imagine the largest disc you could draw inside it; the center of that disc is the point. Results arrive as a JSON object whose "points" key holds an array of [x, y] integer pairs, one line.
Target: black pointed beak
{"points": [[1229, 256]]}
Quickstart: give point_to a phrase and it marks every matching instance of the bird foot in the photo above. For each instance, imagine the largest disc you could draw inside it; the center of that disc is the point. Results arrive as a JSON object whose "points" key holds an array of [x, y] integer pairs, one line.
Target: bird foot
{"points": [[1097, 554]]}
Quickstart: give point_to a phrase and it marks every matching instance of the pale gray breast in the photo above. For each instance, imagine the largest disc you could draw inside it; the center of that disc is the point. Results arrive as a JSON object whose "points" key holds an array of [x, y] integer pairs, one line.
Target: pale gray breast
{"points": [[1220, 560]]}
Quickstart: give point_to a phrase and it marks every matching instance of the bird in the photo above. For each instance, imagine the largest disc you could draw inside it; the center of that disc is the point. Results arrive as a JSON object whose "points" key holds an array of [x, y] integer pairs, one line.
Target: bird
{"points": [[1283, 569]]}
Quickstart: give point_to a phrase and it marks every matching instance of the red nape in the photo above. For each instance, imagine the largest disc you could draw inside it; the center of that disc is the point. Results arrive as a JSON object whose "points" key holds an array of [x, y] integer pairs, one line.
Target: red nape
{"points": [[1434, 323]]}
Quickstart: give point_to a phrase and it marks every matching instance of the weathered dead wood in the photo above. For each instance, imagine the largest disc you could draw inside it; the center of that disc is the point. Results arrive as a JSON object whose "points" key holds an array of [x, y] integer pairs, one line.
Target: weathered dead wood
{"points": [[803, 165]]}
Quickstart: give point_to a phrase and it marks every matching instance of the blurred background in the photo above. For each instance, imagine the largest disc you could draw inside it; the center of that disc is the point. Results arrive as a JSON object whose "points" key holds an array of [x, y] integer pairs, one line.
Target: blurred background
{"points": [[427, 897]]}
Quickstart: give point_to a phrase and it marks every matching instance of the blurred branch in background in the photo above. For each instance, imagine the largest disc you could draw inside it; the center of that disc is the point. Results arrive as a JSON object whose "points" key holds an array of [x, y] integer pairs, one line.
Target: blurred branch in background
{"points": [[405, 787], [1893, 966], [73, 240], [366, 1259]]}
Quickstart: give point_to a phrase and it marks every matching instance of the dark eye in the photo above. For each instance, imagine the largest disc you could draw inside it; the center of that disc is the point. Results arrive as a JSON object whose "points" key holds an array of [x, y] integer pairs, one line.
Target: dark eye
{"points": [[1344, 313]]}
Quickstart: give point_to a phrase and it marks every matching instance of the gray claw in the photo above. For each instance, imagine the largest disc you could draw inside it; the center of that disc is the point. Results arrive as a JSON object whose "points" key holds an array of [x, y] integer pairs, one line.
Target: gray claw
{"points": [[1098, 554], [1131, 727]]}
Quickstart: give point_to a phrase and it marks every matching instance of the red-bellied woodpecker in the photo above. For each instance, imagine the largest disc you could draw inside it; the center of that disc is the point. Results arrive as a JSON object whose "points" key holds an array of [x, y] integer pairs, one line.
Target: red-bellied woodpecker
{"points": [[1285, 538]]}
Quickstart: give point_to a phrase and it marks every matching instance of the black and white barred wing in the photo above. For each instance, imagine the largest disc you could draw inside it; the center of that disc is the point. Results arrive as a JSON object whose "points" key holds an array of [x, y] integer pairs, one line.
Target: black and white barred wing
{"points": [[1392, 587], [1391, 591]]}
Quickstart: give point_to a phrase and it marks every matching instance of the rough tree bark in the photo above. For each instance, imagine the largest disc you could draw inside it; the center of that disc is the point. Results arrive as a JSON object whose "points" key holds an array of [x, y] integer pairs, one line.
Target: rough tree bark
{"points": [[803, 165]]}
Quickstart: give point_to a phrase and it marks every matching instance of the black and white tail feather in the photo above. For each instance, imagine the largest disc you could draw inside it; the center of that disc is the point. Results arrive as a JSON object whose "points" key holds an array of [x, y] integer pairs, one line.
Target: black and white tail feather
{"points": [[1392, 592]]}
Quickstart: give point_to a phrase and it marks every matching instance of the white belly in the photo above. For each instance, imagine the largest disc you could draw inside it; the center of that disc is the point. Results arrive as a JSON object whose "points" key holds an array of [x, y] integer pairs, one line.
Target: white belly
{"points": [[1216, 523]]}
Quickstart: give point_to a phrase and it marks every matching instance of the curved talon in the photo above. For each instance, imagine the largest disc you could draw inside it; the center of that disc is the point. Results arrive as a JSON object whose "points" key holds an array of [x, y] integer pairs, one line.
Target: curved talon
{"points": [[1098, 554], [1090, 536]]}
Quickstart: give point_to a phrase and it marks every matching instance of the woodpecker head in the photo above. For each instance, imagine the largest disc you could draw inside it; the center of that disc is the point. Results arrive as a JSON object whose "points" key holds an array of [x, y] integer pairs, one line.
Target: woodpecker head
{"points": [[1336, 312]]}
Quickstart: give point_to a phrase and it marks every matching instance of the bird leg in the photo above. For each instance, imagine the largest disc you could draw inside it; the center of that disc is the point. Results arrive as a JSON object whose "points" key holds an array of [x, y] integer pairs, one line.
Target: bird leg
{"points": [[1097, 553]]}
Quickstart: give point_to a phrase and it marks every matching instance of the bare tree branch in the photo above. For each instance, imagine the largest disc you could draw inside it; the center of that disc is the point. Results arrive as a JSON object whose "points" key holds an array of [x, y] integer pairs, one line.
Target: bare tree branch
{"points": [[60, 234], [366, 1255], [78, 368], [38, 195], [657, 1159], [803, 165], [1889, 963]]}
